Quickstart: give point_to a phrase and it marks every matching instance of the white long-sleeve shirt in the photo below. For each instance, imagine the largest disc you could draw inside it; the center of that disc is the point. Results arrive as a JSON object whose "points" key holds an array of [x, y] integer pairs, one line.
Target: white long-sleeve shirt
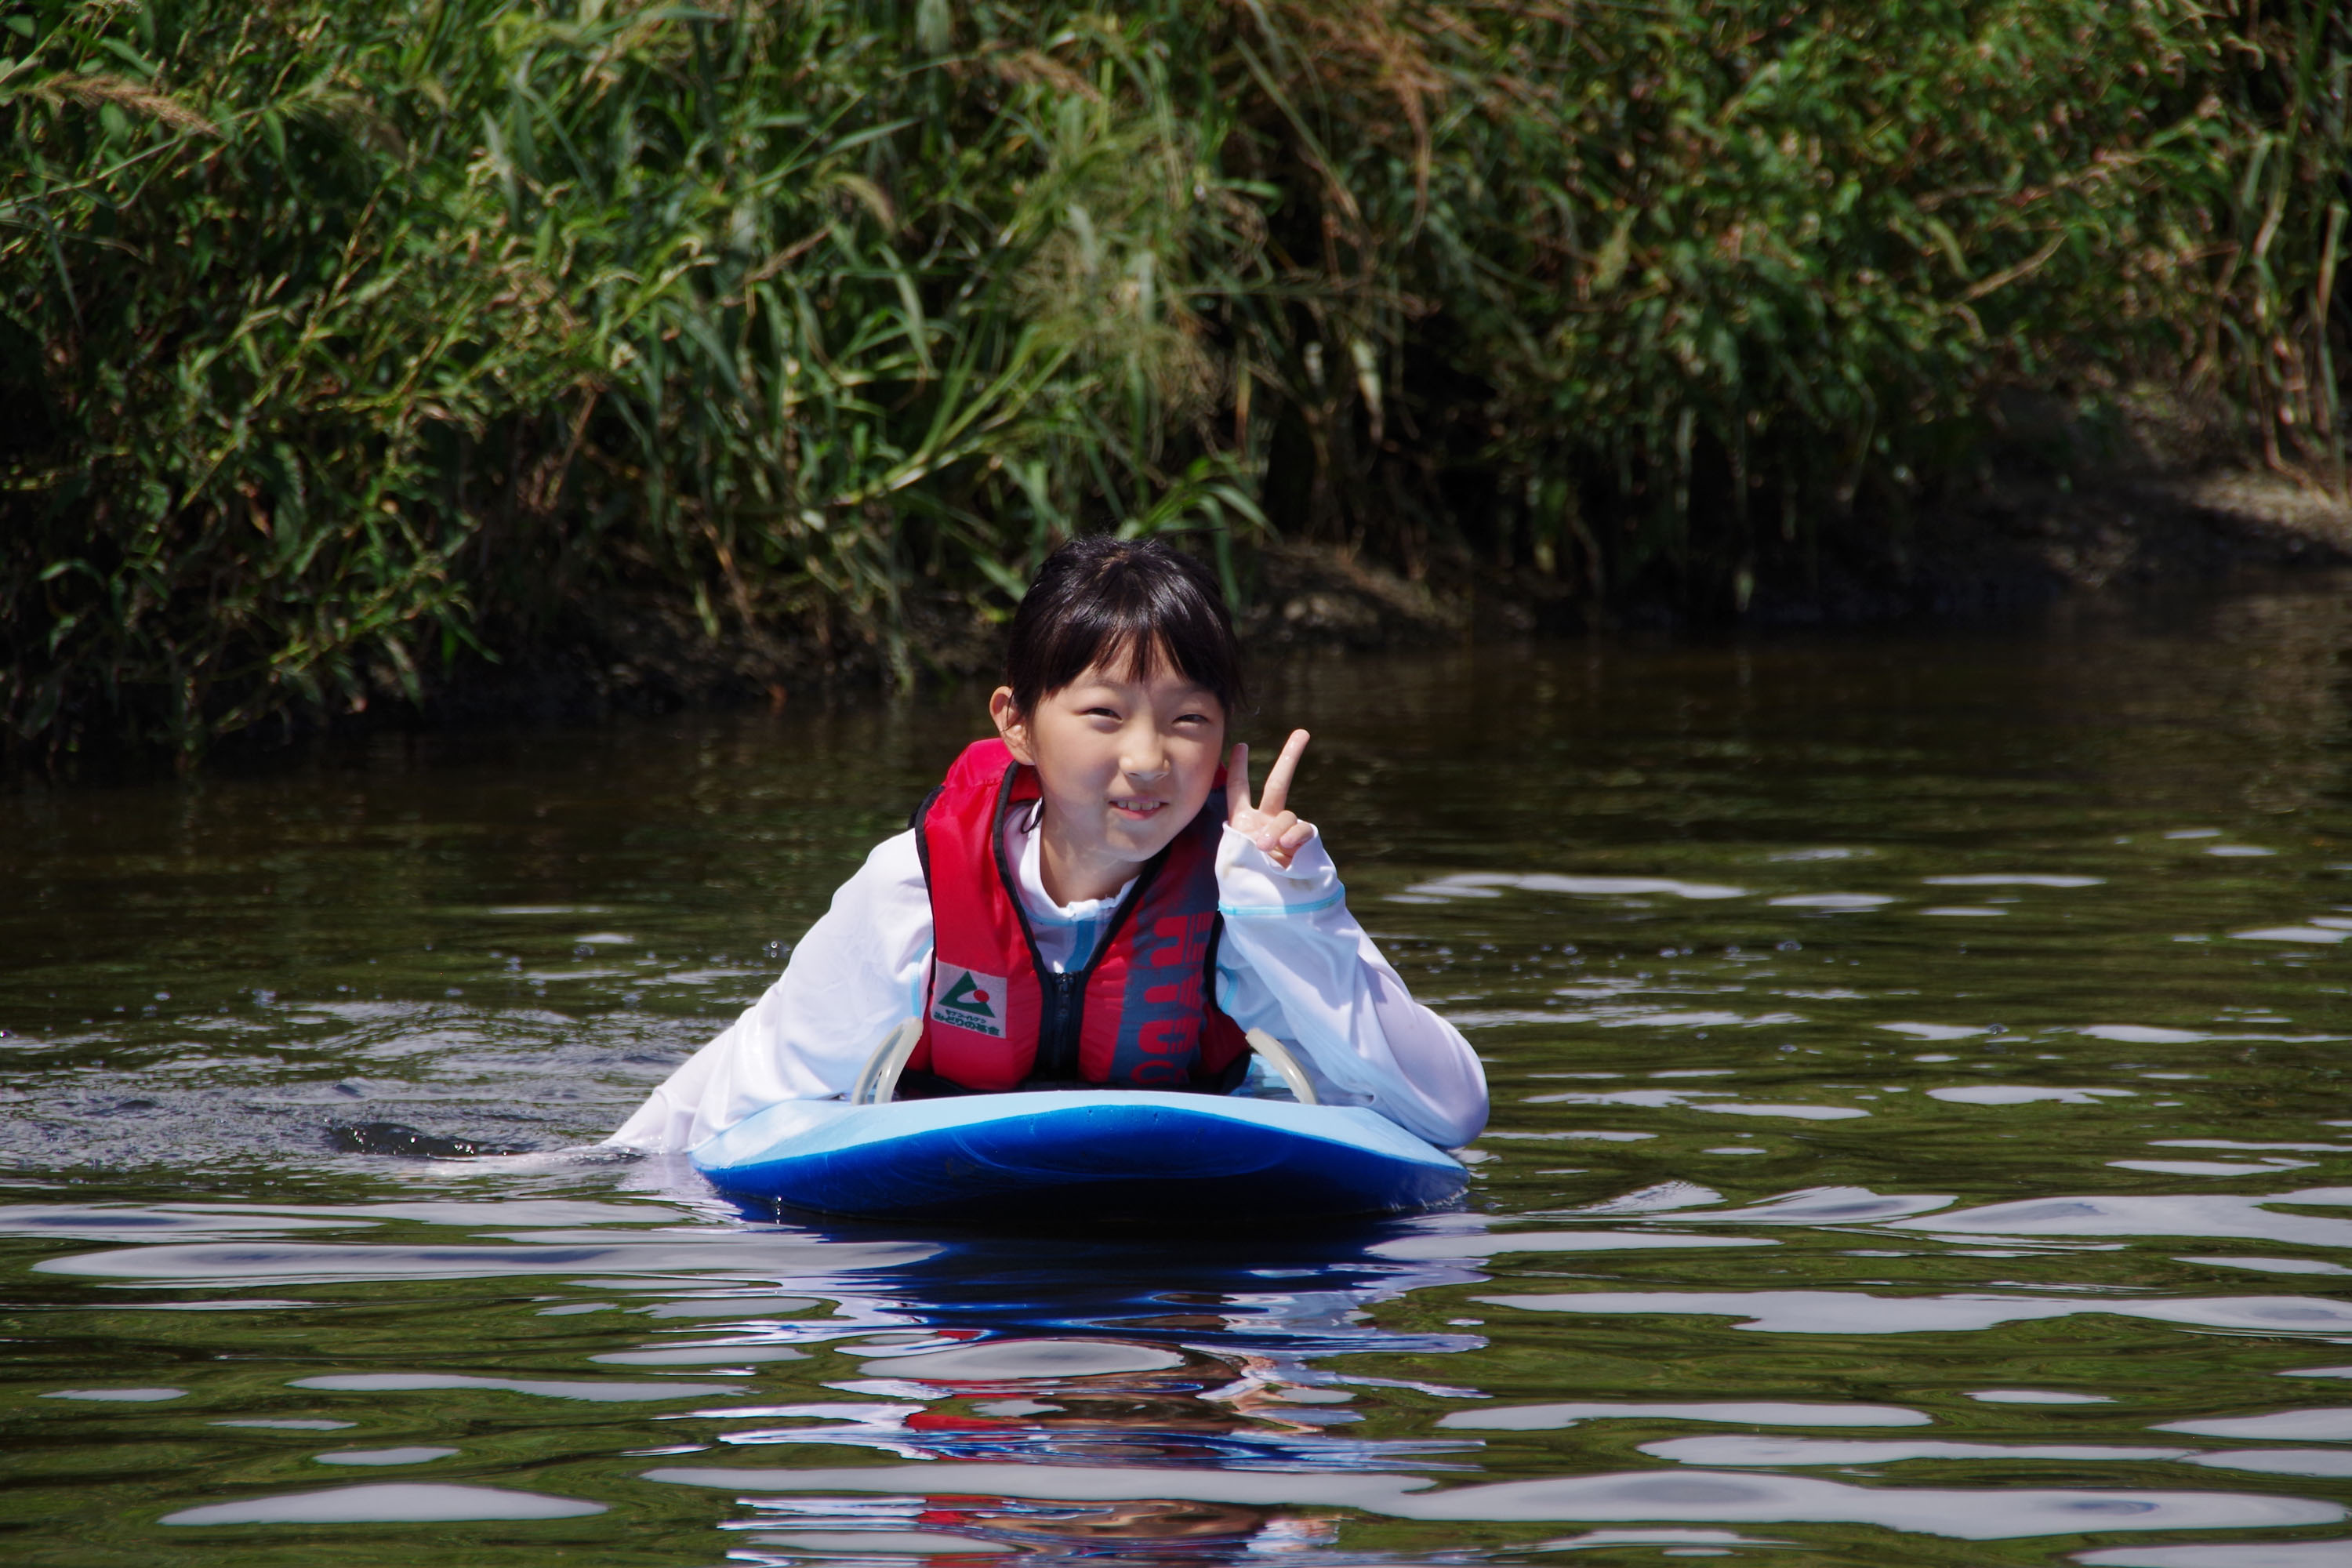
{"points": [[1293, 961]]}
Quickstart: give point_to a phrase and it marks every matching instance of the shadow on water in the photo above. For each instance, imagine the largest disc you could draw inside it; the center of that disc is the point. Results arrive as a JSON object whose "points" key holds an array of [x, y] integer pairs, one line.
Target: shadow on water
{"points": [[1920, 1137]]}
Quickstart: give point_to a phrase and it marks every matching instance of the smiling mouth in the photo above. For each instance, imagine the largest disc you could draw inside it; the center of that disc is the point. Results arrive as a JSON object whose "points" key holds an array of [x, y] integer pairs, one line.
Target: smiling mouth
{"points": [[1135, 807]]}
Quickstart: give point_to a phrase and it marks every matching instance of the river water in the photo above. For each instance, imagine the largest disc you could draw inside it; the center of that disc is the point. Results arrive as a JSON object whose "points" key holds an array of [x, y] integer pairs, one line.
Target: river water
{"points": [[1920, 1136]]}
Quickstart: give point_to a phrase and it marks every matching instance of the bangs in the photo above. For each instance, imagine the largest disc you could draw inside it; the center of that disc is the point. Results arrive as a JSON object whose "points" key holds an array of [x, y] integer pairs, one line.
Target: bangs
{"points": [[1133, 608]]}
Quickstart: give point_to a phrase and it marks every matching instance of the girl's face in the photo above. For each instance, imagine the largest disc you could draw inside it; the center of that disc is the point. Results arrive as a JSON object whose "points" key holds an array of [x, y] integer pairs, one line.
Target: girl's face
{"points": [[1124, 765]]}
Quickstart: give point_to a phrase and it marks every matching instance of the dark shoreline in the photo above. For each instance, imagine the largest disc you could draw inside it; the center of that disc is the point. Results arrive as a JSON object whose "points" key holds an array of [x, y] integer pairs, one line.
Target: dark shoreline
{"points": [[2012, 551], [2016, 547]]}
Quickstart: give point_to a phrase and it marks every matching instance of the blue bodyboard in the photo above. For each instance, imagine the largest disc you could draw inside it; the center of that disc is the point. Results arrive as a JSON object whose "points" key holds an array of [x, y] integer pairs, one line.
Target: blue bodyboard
{"points": [[1080, 1155]]}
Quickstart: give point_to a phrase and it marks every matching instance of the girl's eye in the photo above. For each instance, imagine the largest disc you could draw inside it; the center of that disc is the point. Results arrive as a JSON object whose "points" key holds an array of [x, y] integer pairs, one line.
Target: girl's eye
{"points": [[1101, 713]]}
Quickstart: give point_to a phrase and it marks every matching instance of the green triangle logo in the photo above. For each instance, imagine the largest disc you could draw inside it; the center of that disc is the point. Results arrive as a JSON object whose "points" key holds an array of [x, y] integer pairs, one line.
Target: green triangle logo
{"points": [[966, 996]]}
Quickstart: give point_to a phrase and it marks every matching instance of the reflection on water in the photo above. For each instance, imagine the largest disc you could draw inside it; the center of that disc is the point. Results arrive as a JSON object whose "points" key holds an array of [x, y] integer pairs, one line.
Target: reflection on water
{"points": [[1920, 1137]]}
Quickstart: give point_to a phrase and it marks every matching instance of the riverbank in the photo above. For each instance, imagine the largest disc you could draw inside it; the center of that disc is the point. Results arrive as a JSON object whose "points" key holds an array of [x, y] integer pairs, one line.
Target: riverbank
{"points": [[2019, 547], [474, 357]]}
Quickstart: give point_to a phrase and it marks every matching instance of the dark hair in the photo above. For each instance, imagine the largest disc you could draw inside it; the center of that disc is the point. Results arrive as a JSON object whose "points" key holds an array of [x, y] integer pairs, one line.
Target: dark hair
{"points": [[1102, 600]]}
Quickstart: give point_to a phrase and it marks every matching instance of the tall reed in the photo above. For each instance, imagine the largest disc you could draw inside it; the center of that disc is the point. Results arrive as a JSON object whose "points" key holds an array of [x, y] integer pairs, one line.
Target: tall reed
{"points": [[1697, 278], [343, 348]]}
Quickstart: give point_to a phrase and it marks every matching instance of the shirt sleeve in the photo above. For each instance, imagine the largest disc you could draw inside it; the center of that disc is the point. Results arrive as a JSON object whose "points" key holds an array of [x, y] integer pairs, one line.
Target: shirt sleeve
{"points": [[857, 975], [1294, 962]]}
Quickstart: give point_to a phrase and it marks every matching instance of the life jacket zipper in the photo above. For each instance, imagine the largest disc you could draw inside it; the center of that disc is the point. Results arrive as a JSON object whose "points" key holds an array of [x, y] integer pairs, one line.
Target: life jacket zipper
{"points": [[1061, 1011]]}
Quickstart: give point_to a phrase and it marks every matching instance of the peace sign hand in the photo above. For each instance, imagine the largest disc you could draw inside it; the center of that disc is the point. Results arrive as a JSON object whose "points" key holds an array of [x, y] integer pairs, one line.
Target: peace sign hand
{"points": [[1269, 824]]}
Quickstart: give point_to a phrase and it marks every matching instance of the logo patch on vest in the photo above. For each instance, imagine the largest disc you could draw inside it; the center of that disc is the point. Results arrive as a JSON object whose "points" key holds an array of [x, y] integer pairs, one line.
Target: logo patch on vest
{"points": [[966, 999]]}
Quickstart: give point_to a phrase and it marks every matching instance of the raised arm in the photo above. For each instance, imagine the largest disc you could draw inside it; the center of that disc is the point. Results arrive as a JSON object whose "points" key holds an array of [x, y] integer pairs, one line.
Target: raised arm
{"points": [[1295, 962]]}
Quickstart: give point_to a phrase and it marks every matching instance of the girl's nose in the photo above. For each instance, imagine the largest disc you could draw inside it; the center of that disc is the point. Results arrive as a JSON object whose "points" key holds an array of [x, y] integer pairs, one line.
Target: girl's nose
{"points": [[1143, 759]]}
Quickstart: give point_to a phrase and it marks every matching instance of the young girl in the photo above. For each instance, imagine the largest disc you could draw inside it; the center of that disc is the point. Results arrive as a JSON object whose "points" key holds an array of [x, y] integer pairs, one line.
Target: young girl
{"points": [[1086, 900]]}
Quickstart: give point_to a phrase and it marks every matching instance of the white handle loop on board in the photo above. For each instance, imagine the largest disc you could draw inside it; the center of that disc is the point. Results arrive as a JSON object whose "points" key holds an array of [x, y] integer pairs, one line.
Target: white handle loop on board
{"points": [[878, 1079], [1278, 1056]]}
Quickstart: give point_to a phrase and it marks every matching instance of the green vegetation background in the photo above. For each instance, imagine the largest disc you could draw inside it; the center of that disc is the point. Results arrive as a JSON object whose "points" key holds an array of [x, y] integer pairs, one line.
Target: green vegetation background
{"points": [[347, 346]]}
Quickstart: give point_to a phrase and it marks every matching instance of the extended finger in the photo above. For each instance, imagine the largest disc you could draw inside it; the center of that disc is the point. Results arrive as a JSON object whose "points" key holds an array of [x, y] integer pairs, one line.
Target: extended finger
{"points": [[1237, 800], [1276, 794]]}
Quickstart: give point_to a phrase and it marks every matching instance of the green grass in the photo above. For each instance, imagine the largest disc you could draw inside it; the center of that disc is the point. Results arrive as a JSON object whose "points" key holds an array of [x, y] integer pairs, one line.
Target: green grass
{"points": [[344, 347]]}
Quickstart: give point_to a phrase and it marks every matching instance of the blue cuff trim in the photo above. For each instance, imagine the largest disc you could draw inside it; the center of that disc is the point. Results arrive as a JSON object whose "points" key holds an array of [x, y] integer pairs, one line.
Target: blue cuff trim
{"points": [[1269, 911]]}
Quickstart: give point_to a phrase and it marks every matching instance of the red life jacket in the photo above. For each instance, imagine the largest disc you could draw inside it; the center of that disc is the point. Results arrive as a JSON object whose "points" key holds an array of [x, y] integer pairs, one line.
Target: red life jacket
{"points": [[1141, 1014]]}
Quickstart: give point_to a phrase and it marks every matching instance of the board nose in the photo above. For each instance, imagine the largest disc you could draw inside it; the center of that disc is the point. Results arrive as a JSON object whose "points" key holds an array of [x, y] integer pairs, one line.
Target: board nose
{"points": [[1132, 1143]]}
